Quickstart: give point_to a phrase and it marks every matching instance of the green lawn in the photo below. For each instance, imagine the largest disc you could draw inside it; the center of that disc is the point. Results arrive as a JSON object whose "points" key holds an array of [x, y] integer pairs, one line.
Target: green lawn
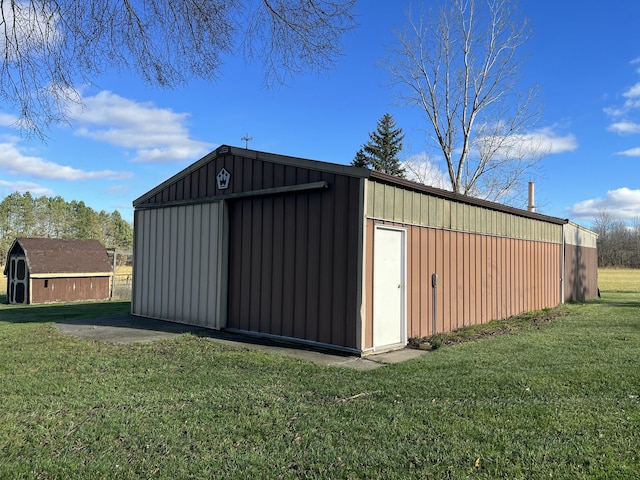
{"points": [[557, 400]]}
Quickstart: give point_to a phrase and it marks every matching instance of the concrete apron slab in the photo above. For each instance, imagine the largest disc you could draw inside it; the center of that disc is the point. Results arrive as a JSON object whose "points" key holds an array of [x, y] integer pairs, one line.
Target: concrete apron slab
{"points": [[131, 329]]}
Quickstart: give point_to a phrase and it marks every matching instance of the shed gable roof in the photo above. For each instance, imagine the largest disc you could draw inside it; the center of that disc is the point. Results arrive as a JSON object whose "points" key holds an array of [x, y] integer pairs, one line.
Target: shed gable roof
{"points": [[51, 255]]}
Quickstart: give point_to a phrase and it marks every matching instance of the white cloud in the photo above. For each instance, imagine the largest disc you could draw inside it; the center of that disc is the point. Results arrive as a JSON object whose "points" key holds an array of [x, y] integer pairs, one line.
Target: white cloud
{"points": [[420, 168], [31, 187], [157, 134], [633, 92], [624, 202], [625, 128], [615, 111], [632, 152], [530, 145], [8, 120], [14, 162], [548, 141], [626, 124]]}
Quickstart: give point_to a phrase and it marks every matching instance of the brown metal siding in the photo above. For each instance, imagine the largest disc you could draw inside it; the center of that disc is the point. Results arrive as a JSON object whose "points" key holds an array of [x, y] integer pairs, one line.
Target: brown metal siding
{"points": [[580, 271], [293, 257], [73, 289], [481, 278], [580, 263], [247, 174]]}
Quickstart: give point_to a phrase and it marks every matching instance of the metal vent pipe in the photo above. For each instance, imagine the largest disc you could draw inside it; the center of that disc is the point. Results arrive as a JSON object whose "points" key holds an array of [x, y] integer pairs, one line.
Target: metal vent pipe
{"points": [[532, 205]]}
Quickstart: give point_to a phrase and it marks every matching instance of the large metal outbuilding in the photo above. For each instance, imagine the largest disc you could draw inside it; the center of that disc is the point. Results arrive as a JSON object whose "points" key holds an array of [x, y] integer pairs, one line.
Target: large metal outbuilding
{"points": [[47, 270], [340, 256]]}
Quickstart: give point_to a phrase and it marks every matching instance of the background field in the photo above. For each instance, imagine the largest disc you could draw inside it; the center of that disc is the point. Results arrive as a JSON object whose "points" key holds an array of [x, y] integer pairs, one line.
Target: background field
{"points": [[619, 280]]}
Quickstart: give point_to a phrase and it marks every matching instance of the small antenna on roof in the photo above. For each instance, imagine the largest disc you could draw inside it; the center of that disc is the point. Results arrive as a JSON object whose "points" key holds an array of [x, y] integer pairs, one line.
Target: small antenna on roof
{"points": [[246, 139]]}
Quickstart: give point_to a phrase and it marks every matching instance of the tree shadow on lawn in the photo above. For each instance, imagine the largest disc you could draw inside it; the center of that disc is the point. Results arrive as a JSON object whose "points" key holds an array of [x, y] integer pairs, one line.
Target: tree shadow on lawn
{"points": [[612, 299], [60, 312]]}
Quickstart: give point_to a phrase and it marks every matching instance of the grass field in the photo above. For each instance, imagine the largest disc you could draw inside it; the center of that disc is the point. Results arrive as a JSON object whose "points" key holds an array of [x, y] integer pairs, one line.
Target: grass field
{"points": [[619, 280], [558, 400]]}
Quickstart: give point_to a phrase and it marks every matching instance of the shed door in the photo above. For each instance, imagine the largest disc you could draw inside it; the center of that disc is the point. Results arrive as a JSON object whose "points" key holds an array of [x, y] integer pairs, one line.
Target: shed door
{"points": [[180, 264], [389, 287], [18, 280]]}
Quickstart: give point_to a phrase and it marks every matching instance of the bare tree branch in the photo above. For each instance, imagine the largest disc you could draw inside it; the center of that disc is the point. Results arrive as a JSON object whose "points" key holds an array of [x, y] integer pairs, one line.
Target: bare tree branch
{"points": [[462, 67], [48, 47]]}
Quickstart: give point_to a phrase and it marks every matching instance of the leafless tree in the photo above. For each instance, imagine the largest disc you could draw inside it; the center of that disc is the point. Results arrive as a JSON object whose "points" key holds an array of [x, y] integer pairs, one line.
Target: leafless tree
{"points": [[461, 66], [421, 169], [49, 47], [618, 241]]}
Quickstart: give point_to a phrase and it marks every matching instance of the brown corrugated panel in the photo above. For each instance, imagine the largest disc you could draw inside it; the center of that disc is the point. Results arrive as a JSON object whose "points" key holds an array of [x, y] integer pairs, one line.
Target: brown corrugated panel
{"points": [[445, 284], [69, 289], [468, 276], [414, 307], [518, 269], [480, 278], [462, 280], [503, 285], [293, 257], [580, 269]]}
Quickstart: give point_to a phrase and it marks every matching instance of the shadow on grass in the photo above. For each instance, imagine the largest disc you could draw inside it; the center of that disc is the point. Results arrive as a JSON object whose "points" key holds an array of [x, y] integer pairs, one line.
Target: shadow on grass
{"points": [[60, 312], [112, 322], [635, 304], [125, 328], [613, 299]]}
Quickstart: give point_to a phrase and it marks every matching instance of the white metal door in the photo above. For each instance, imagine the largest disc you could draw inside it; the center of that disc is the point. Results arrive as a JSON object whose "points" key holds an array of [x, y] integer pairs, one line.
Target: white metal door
{"points": [[388, 287]]}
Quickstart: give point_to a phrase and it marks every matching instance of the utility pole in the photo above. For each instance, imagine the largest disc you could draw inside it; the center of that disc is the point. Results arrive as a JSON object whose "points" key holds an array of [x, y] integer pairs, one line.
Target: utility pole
{"points": [[246, 139]]}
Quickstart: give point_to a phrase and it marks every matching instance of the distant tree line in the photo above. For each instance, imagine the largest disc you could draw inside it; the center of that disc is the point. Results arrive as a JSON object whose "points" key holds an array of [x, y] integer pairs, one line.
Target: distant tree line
{"points": [[618, 241], [23, 215]]}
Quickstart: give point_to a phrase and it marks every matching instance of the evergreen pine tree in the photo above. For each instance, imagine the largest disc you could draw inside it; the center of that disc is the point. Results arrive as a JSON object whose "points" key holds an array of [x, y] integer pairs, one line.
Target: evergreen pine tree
{"points": [[361, 160], [382, 149]]}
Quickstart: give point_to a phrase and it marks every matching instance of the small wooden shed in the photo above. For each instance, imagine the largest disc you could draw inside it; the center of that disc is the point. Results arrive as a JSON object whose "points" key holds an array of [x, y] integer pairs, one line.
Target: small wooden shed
{"points": [[344, 257], [46, 270]]}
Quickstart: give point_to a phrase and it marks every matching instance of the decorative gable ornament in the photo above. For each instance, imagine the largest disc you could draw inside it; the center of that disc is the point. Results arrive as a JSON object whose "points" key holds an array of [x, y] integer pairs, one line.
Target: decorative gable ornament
{"points": [[223, 178]]}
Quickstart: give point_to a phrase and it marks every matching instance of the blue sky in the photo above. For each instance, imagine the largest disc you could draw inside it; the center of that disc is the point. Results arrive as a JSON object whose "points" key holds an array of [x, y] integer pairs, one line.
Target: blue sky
{"points": [[129, 137]]}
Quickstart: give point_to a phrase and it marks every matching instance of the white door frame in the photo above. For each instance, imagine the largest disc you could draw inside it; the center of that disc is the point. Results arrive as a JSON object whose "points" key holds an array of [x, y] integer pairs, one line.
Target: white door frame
{"points": [[403, 285]]}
